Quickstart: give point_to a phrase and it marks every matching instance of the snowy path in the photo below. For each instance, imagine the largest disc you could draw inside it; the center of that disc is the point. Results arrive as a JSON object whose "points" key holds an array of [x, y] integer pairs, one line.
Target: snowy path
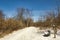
{"points": [[30, 33]]}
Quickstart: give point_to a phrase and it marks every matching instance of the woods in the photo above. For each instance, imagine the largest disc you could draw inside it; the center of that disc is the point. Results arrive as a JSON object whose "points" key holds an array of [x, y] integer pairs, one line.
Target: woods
{"points": [[24, 19]]}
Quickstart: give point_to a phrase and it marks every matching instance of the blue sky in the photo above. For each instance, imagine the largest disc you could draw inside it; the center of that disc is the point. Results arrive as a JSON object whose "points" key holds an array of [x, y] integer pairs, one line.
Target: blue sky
{"points": [[37, 6]]}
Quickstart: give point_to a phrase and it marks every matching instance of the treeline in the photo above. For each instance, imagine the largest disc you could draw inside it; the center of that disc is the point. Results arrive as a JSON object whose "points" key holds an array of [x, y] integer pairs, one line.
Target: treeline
{"points": [[21, 20], [51, 19], [24, 19]]}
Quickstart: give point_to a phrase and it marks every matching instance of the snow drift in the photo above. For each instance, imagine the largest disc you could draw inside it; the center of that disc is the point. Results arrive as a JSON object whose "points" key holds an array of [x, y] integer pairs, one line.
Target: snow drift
{"points": [[29, 33]]}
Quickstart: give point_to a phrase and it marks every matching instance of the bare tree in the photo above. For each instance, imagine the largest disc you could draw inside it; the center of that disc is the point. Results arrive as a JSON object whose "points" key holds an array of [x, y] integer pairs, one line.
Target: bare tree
{"points": [[1, 20], [23, 14], [1, 14]]}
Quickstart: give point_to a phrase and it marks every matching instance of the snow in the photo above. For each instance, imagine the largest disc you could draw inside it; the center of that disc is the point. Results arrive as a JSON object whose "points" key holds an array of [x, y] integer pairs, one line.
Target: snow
{"points": [[29, 33]]}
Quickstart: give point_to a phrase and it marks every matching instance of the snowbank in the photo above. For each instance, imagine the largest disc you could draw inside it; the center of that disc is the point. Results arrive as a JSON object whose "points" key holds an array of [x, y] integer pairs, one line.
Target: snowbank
{"points": [[29, 33]]}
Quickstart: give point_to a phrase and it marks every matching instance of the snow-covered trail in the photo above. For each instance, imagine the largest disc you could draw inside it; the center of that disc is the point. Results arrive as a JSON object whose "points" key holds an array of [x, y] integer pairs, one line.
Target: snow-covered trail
{"points": [[29, 33]]}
